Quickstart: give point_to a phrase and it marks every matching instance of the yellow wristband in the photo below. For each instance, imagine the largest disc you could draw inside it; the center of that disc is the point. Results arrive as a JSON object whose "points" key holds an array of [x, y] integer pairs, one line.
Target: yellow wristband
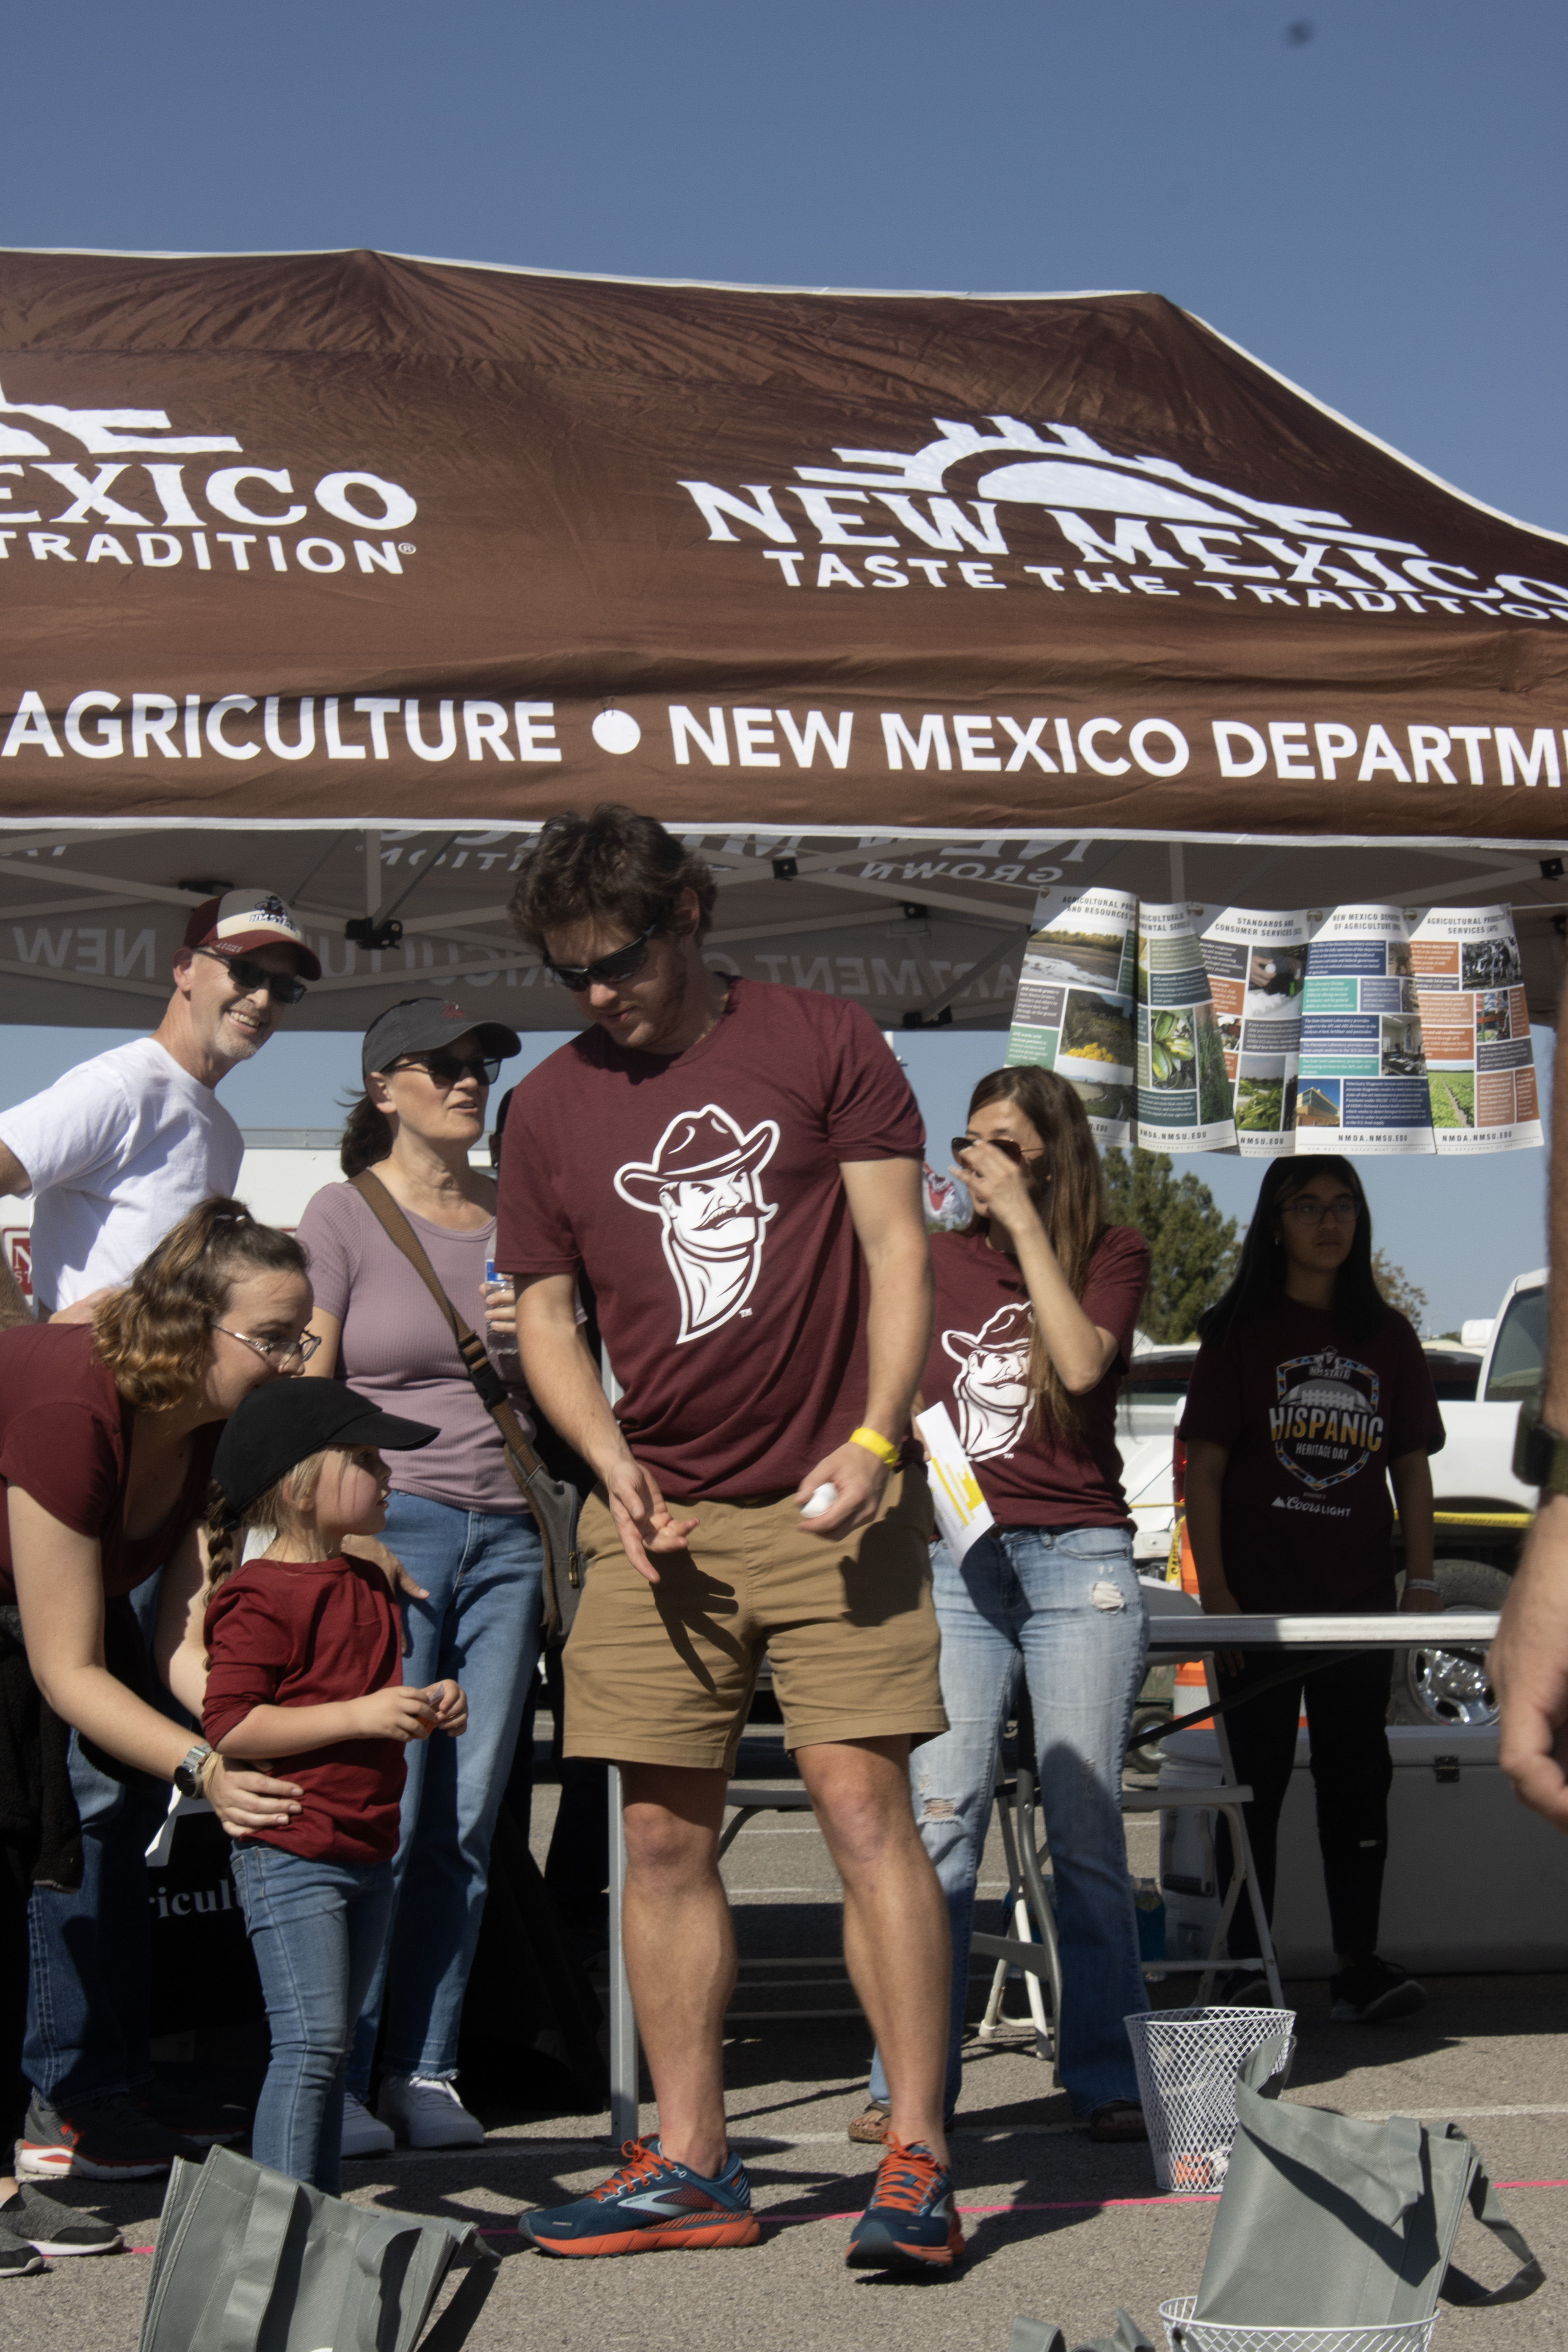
{"points": [[889, 1454]]}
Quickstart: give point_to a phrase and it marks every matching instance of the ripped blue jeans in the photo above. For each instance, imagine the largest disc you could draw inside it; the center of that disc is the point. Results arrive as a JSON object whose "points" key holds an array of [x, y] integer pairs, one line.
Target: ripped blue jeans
{"points": [[1062, 1606]]}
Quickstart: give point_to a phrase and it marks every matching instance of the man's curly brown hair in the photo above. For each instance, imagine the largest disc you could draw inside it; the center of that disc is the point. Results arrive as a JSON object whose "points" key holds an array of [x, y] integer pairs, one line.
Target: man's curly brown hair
{"points": [[611, 863]]}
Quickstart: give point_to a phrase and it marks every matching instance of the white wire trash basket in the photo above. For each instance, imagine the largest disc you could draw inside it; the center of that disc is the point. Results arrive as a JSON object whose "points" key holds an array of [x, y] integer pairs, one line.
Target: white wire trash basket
{"points": [[1186, 2333], [1187, 2061]]}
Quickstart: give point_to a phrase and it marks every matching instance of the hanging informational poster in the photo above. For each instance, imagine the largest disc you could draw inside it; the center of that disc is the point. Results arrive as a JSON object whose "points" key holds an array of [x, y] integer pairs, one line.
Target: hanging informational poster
{"points": [[1075, 1009], [1475, 1026], [1362, 1084], [1255, 959], [1183, 1086]]}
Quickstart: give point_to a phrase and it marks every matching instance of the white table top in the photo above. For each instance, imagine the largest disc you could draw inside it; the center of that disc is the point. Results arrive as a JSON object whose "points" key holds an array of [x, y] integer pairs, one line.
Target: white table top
{"points": [[1188, 1635]]}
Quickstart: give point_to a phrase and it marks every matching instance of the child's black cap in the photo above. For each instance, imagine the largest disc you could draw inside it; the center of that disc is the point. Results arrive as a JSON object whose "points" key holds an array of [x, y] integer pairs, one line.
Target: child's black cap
{"points": [[286, 1422]]}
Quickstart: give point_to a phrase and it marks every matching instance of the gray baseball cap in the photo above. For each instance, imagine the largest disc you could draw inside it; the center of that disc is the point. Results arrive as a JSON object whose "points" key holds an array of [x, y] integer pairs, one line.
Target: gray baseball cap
{"points": [[421, 1025]]}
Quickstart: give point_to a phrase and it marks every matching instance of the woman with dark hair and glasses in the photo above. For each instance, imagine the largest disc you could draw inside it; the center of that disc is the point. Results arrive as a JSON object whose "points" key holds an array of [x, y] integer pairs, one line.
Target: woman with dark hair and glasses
{"points": [[456, 1518], [1036, 1299], [1310, 1398]]}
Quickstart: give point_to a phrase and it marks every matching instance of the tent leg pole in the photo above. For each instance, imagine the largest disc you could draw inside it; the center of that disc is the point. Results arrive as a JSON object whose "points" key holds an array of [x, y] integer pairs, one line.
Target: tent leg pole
{"points": [[624, 2113]]}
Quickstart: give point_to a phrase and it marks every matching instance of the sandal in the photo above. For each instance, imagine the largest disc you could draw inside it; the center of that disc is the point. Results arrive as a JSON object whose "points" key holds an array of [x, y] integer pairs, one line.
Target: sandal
{"points": [[1117, 2119], [872, 2125]]}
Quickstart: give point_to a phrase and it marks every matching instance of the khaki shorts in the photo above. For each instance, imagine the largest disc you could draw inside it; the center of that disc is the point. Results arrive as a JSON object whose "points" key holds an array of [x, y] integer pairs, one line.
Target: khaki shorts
{"points": [[664, 1674]]}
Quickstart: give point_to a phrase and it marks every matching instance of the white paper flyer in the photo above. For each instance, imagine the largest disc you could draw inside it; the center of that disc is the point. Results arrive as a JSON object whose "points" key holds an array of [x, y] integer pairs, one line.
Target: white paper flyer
{"points": [[1183, 1086], [1255, 959], [1076, 1004], [1362, 1085], [962, 1513], [1475, 1026]]}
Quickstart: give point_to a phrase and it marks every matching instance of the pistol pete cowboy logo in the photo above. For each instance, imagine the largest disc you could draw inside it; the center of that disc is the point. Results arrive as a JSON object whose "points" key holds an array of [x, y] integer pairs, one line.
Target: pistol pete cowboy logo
{"points": [[992, 1390], [702, 1183], [1326, 1426]]}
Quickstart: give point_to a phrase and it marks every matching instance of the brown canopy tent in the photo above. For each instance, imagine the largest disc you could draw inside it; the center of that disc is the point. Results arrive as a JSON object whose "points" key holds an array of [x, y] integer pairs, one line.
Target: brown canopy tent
{"points": [[338, 572]]}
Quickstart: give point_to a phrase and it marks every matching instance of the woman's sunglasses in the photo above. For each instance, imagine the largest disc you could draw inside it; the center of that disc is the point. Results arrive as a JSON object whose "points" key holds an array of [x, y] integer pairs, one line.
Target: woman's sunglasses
{"points": [[624, 964], [1003, 1143], [450, 1069]]}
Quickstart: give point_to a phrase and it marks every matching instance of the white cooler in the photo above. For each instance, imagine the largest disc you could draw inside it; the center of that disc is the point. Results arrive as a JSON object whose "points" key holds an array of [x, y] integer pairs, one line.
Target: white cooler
{"points": [[1474, 1881]]}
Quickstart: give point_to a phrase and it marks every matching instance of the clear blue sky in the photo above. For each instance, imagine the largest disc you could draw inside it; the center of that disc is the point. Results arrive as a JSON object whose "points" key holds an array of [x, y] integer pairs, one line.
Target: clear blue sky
{"points": [[1367, 193]]}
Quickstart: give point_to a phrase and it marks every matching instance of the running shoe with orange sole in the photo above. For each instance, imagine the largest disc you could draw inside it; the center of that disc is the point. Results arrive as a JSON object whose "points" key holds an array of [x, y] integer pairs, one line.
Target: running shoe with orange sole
{"points": [[653, 2205], [910, 2223]]}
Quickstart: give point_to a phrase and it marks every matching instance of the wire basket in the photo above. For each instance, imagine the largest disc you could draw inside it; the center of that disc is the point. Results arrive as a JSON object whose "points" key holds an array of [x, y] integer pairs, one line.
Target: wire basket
{"points": [[1186, 2333], [1187, 2061]]}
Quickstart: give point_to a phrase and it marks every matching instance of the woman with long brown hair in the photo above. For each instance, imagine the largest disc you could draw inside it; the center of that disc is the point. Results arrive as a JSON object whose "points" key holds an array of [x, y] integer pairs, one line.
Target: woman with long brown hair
{"points": [[1035, 1302], [107, 1435]]}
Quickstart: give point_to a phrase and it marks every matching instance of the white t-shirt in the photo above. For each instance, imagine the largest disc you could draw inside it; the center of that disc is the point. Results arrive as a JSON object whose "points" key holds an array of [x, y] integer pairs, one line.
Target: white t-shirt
{"points": [[118, 1150]]}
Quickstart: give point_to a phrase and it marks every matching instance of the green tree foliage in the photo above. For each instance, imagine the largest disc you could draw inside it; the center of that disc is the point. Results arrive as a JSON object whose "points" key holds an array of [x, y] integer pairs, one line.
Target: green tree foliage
{"points": [[1193, 1247], [1399, 1290]]}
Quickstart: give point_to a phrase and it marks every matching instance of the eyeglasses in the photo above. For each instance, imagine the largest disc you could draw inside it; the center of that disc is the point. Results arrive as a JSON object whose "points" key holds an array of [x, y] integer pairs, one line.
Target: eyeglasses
{"points": [[275, 1351], [282, 987], [1003, 1143], [624, 964], [448, 1070], [1310, 1206]]}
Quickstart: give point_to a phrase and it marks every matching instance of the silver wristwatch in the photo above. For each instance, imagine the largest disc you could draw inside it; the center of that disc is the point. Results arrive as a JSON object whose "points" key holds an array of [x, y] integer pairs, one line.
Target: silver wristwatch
{"points": [[188, 1770]]}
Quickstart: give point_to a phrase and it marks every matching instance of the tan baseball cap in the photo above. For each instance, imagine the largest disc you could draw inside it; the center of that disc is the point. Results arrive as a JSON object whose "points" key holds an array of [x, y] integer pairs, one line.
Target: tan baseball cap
{"points": [[243, 919]]}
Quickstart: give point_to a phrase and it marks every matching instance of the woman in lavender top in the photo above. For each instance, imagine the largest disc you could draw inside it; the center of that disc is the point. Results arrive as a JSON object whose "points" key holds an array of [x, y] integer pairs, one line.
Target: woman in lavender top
{"points": [[455, 1519]]}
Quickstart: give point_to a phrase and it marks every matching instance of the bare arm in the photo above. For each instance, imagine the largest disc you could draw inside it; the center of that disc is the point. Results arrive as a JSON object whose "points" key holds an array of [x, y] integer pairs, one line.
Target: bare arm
{"points": [[565, 1378], [1411, 1478], [395, 1714], [884, 1198], [1528, 1659], [328, 1330], [1081, 1350], [1205, 1482]]}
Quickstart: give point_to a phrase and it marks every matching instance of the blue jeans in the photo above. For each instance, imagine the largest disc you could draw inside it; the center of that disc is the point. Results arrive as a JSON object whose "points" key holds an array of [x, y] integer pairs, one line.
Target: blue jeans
{"points": [[317, 1930], [1063, 1604], [481, 1625], [89, 1951]]}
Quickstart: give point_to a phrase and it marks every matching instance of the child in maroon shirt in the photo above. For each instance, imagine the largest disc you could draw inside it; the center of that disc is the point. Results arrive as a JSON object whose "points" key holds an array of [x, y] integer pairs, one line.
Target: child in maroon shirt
{"points": [[305, 1663]]}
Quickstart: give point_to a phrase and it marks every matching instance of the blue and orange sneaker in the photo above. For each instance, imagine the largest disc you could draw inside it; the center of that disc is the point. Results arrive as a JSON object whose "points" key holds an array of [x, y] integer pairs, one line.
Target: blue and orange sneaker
{"points": [[909, 2224], [652, 2205]]}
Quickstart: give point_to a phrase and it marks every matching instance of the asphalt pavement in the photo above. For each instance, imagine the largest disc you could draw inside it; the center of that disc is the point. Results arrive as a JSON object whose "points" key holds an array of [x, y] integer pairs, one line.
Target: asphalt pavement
{"points": [[1058, 2228]]}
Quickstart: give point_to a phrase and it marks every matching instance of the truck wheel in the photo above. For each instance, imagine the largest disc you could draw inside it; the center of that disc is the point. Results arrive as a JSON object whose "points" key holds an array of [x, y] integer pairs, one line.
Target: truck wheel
{"points": [[1450, 1687]]}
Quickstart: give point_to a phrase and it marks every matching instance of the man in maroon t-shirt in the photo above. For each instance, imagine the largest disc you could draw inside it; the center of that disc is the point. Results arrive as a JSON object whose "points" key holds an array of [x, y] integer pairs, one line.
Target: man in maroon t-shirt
{"points": [[737, 1167]]}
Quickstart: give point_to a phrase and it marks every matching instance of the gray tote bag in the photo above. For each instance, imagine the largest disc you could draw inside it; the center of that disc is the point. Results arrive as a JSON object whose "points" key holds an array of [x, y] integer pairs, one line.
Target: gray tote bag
{"points": [[1329, 2221], [249, 2260]]}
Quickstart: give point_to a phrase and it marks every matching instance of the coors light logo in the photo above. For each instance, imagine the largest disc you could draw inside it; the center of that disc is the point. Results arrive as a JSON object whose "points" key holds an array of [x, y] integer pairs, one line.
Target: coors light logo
{"points": [[965, 509], [118, 486]]}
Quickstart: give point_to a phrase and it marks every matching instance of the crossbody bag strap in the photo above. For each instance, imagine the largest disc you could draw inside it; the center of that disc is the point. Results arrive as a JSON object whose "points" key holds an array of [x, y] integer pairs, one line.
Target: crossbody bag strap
{"points": [[487, 1380]]}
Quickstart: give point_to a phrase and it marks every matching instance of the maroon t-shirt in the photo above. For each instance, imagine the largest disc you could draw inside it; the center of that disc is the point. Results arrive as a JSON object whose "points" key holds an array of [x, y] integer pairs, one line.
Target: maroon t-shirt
{"points": [[310, 1633], [1313, 1419], [978, 1366], [65, 1439], [701, 1192]]}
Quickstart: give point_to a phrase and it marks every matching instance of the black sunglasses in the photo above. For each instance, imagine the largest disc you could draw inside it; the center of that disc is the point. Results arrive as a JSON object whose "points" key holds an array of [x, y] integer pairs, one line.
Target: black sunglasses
{"points": [[282, 987], [451, 1069], [1003, 1143], [624, 964]]}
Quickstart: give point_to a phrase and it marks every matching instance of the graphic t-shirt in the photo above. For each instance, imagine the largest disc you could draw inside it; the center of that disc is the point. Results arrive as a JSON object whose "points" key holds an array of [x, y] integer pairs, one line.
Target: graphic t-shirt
{"points": [[396, 1347], [65, 1439], [1313, 1419], [701, 1192], [116, 1151], [310, 1633], [978, 1366]]}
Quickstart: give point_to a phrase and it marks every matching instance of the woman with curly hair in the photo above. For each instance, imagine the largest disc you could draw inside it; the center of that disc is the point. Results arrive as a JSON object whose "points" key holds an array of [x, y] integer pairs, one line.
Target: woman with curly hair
{"points": [[107, 1436], [1036, 1299]]}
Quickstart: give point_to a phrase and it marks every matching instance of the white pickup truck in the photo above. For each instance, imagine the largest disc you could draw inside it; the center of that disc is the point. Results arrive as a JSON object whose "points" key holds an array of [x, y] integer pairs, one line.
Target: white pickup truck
{"points": [[1481, 1507]]}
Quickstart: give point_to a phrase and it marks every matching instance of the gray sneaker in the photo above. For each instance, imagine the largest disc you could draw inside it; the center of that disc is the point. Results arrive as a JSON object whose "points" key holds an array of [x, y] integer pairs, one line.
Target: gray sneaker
{"points": [[96, 2139], [18, 2262], [32, 2220]]}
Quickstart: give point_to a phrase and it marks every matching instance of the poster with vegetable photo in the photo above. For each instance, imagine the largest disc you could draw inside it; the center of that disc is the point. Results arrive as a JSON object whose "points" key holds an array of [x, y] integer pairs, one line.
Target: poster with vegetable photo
{"points": [[1075, 1012], [1362, 1086], [1183, 1086], [1479, 1061], [1255, 959]]}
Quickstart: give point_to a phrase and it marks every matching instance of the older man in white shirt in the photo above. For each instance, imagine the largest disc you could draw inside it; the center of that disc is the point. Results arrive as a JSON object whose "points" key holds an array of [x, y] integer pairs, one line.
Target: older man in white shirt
{"points": [[116, 1151]]}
